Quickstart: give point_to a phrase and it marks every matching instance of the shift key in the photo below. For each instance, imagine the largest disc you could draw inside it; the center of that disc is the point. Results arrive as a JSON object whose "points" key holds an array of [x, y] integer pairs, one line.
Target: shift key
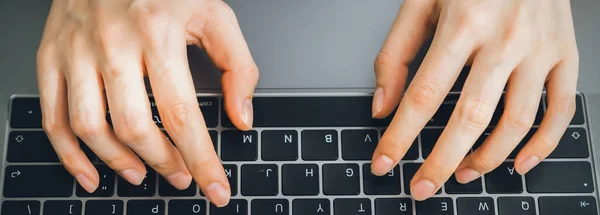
{"points": [[38, 181], [561, 177]]}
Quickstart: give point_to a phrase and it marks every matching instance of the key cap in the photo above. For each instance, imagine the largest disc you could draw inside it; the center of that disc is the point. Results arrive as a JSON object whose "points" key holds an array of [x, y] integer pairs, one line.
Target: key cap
{"points": [[312, 112], [504, 179], [300, 179], [578, 118], [319, 145], [231, 172], [352, 206], [146, 188], [409, 170], [311, 207], [428, 139], [239, 145], [453, 187], [516, 206], [21, 207], [413, 151], [559, 205], [34, 146], [573, 144], [341, 179], [106, 187], [279, 145], [25, 113], [443, 113], [393, 206], [270, 206], [210, 110], [25, 181], [145, 207], [55, 207], [389, 184], [214, 137], [435, 206], [475, 206], [359, 144], [560, 177], [235, 207], [104, 207], [187, 207], [166, 189], [260, 180]]}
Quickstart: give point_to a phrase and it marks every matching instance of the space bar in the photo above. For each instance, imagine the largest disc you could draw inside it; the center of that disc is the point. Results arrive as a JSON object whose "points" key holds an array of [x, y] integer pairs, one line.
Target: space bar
{"points": [[312, 112]]}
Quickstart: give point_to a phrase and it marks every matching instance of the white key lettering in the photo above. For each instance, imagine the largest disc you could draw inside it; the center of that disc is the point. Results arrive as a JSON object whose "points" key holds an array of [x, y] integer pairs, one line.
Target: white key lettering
{"points": [[196, 208], [278, 208], [309, 172], [511, 170], [444, 206], [483, 206], [525, 205], [361, 210], [268, 170], [70, 209], [403, 207], [320, 209], [368, 138], [228, 173], [391, 173], [114, 209], [287, 138], [28, 209], [155, 209], [349, 172], [237, 208], [328, 138], [247, 138]]}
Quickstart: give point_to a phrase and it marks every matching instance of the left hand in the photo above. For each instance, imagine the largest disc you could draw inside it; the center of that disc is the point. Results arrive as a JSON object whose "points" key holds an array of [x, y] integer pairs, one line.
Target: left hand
{"points": [[520, 43]]}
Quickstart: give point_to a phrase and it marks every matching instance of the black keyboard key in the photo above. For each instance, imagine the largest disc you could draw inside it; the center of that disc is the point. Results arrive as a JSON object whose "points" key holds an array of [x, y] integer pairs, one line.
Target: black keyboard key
{"points": [[166, 189], [393, 206], [573, 144], [279, 145], [352, 206], [26, 113], [270, 206], [30, 146], [559, 205], [231, 172], [341, 179], [235, 207], [145, 207], [475, 206], [388, 184], [55, 207], [504, 179], [549, 177], [409, 170], [214, 137], [435, 206], [106, 188], [428, 139], [38, 181], [453, 187], [413, 151], [311, 207], [21, 207], [359, 144], [300, 179], [442, 115], [346, 111], [239, 145], [319, 145], [188, 207], [516, 206], [104, 207], [146, 188], [260, 180], [578, 118], [210, 110]]}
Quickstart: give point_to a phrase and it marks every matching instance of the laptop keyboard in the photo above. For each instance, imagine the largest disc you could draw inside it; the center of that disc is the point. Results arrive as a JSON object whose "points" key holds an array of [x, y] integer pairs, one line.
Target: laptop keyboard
{"points": [[307, 155]]}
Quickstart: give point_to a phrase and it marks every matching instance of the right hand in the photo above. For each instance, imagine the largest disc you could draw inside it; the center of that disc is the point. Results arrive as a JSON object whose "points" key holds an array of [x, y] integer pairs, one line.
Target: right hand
{"points": [[96, 54]]}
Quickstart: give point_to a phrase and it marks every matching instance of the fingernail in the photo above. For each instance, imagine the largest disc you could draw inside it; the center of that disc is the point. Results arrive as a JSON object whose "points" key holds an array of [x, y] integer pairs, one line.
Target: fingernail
{"points": [[467, 175], [217, 194], [528, 164], [86, 183], [247, 113], [377, 101], [423, 189], [382, 165], [133, 176], [180, 180]]}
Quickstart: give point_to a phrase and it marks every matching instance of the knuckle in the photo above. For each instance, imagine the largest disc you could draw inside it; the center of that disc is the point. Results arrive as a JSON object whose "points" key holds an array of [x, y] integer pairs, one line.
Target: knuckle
{"points": [[117, 162], [133, 127], [424, 97], [438, 169], [475, 114], [180, 114], [548, 142], [486, 163], [86, 124], [52, 125], [520, 120], [383, 61], [565, 106], [394, 146], [163, 163], [69, 160]]}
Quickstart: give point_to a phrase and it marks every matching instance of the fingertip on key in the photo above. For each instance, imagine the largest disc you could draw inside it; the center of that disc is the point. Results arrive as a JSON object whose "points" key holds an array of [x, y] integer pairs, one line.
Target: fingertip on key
{"points": [[382, 165], [422, 190]]}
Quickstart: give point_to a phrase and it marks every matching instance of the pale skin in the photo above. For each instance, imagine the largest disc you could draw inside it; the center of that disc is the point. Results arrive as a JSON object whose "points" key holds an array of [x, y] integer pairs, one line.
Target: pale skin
{"points": [[95, 54]]}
